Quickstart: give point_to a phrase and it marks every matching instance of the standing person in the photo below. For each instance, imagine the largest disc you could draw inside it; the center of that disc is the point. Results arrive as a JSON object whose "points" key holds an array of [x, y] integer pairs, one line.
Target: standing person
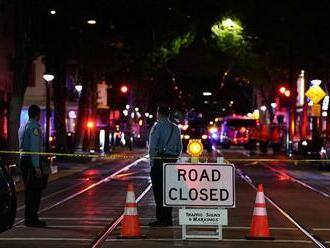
{"points": [[264, 136], [253, 137], [30, 140], [165, 146], [276, 139]]}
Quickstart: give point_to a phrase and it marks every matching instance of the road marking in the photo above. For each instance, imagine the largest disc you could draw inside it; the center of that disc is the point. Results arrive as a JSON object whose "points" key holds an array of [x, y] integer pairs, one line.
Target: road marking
{"points": [[45, 239], [215, 240], [295, 180], [306, 232], [154, 239], [321, 229], [97, 242], [282, 211], [87, 219], [62, 226]]}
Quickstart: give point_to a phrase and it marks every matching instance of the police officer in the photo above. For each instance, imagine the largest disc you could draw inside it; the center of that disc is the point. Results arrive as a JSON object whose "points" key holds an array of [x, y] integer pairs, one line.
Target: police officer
{"points": [[30, 140], [165, 146]]}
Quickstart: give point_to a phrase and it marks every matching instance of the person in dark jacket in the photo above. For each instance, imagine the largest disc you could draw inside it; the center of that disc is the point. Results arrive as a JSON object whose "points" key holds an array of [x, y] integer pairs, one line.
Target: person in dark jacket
{"points": [[165, 146]]}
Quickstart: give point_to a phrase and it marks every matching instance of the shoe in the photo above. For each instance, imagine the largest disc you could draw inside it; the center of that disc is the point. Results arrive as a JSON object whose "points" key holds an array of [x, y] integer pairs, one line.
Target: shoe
{"points": [[37, 223]]}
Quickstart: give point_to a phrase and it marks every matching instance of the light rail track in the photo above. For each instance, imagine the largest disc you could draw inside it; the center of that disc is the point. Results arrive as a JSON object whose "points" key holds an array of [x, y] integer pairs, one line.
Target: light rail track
{"points": [[82, 191], [317, 241], [99, 240]]}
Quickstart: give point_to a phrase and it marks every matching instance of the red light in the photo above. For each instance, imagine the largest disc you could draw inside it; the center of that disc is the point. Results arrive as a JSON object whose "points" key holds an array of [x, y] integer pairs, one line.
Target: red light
{"points": [[90, 124], [287, 93], [124, 89], [282, 90]]}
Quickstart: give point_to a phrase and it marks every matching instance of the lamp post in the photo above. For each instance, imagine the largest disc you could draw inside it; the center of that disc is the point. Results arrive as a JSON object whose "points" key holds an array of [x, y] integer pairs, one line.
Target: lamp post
{"points": [[78, 88], [48, 79]]}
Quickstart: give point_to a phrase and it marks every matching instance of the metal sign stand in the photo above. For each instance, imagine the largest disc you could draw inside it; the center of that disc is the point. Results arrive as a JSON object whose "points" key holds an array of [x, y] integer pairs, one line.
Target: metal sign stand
{"points": [[218, 233]]}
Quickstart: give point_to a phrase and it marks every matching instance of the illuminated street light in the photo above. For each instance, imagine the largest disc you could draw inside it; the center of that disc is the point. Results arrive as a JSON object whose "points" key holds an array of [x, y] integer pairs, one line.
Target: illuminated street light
{"points": [[48, 79], [136, 109], [127, 106], [273, 104], [263, 108], [78, 88], [125, 112], [207, 93], [91, 22], [52, 12], [146, 115]]}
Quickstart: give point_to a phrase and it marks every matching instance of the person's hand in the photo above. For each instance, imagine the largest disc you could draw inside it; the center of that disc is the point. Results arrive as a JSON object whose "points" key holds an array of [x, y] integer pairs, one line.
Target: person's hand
{"points": [[38, 172]]}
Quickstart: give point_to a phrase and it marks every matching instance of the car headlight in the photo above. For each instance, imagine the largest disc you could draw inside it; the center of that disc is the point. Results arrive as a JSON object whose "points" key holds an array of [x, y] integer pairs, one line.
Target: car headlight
{"points": [[204, 136], [186, 136], [214, 135]]}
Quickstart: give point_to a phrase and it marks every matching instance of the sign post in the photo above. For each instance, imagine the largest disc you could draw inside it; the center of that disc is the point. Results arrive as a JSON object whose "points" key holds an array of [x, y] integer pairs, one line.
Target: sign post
{"points": [[200, 185]]}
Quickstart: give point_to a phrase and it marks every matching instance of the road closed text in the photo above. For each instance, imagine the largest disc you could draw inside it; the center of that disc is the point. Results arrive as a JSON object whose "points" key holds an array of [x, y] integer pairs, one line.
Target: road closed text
{"points": [[199, 185], [200, 194]]}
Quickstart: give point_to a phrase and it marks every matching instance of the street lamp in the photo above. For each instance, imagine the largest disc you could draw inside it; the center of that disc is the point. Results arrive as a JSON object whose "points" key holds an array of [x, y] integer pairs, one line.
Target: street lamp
{"points": [[78, 88], [48, 79], [91, 22]]}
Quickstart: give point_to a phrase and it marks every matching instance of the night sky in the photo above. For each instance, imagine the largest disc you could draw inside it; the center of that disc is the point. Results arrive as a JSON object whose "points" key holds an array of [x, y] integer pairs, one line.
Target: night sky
{"points": [[288, 35]]}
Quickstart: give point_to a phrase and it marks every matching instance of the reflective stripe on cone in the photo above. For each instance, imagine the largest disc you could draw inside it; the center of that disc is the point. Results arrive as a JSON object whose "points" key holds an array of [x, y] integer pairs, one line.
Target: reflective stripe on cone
{"points": [[130, 227], [259, 225]]}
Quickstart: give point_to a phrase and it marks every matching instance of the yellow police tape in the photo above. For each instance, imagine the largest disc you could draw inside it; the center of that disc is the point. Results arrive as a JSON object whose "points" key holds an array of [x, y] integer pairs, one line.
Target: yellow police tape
{"points": [[132, 156]]}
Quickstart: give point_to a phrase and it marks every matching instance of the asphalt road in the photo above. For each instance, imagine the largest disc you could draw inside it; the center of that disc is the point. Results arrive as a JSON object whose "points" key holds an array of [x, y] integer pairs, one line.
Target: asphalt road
{"points": [[78, 208]]}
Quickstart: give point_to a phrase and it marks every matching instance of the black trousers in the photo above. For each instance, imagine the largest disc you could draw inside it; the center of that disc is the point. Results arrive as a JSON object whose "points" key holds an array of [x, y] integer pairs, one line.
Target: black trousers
{"points": [[252, 144], [32, 195], [163, 214]]}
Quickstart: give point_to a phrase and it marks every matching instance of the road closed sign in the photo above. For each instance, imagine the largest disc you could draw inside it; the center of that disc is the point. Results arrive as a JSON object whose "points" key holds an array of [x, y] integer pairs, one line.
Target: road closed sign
{"points": [[199, 185]]}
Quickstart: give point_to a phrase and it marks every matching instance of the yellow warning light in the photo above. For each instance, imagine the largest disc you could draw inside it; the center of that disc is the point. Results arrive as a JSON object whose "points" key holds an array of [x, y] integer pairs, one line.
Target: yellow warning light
{"points": [[195, 147]]}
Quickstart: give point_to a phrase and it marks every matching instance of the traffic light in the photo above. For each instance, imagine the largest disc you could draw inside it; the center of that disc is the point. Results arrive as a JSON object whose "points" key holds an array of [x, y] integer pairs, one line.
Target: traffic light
{"points": [[284, 91], [90, 124]]}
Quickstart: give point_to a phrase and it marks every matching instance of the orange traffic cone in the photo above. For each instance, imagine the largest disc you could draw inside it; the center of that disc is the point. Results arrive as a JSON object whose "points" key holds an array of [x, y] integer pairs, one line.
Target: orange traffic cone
{"points": [[259, 226], [130, 227]]}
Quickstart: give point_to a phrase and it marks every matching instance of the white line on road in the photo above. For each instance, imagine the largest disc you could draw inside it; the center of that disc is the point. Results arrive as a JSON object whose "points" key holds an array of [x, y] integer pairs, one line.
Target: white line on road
{"points": [[62, 226], [44, 239], [85, 219], [215, 240], [155, 239]]}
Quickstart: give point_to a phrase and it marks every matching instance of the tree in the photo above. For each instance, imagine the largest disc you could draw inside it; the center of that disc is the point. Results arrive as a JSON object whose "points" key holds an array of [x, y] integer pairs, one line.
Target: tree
{"points": [[25, 52]]}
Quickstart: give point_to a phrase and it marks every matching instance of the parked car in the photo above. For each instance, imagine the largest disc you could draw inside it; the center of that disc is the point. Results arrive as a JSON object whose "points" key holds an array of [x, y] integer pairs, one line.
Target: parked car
{"points": [[8, 199]]}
